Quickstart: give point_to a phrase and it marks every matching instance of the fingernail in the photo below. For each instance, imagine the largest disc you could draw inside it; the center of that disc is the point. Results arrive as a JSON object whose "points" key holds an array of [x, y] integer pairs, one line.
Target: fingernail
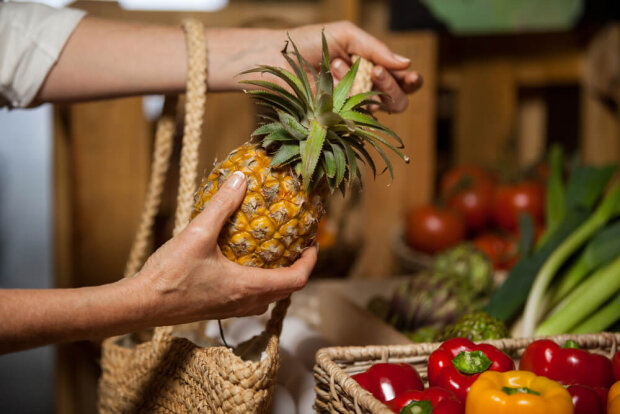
{"points": [[236, 180], [337, 64], [379, 72], [401, 58]]}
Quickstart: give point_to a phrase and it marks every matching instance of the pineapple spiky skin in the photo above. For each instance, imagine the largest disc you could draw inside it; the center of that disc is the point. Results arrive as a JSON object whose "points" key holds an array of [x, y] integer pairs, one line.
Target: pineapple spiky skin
{"points": [[277, 219]]}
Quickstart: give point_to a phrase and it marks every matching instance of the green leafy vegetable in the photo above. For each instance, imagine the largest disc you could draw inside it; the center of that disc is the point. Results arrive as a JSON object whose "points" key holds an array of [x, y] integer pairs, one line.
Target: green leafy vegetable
{"points": [[585, 299]]}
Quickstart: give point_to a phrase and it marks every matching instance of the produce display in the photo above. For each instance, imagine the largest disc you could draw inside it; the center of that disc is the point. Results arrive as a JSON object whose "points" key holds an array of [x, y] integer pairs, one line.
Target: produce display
{"points": [[459, 362], [308, 147], [567, 364], [613, 399], [567, 282], [517, 392], [474, 205], [387, 381], [470, 378], [426, 304], [432, 400], [476, 326]]}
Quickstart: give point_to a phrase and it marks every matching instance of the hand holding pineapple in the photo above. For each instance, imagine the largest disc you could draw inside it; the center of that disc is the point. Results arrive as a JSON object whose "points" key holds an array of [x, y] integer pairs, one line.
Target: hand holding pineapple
{"points": [[189, 278]]}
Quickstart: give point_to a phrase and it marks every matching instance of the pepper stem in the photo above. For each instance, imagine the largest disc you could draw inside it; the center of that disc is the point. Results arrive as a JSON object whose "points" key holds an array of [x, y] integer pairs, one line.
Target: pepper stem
{"points": [[520, 390], [418, 407], [471, 363], [571, 344]]}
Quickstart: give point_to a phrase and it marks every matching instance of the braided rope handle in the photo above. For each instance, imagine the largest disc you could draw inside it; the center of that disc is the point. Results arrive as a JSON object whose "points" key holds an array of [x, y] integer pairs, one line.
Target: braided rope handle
{"points": [[164, 138]]}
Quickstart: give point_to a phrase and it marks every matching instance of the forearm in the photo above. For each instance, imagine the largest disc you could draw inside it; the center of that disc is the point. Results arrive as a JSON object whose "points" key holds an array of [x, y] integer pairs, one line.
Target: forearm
{"points": [[104, 59], [30, 318]]}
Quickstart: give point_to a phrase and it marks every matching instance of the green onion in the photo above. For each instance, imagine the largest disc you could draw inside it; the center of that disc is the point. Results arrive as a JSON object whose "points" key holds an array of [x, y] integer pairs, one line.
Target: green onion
{"points": [[555, 206], [602, 249], [601, 319], [585, 299], [607, 209]]}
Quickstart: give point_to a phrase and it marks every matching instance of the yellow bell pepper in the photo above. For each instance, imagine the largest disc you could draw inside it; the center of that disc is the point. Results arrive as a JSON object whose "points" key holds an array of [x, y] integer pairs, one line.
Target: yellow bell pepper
{"points": [[515, 392], [613, 399]]}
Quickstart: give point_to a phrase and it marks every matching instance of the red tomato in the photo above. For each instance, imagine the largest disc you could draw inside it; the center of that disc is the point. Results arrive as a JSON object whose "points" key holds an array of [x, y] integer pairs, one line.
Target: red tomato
{"points": [[477, 177], [513, 199], [475, 204], [616, 365], [500, 248], [431, 229]]}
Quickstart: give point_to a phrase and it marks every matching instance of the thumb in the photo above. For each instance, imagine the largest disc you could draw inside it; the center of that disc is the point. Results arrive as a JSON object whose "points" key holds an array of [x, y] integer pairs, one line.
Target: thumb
{"points": [[223, 204]]}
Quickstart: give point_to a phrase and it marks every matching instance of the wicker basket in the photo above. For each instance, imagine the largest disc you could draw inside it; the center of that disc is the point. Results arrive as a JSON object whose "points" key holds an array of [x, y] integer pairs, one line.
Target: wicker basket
{"points": [[337, 392]]}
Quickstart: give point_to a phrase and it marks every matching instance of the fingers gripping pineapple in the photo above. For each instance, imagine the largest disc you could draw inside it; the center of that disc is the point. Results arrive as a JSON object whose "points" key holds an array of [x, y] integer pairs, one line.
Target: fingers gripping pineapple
{"points": [[309, 146]]}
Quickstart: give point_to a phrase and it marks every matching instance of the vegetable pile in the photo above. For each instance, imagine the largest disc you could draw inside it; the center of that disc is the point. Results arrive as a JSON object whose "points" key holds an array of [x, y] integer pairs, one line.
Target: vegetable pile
{"points": [[465, 378], [569, 281], [428, 306], [473, 205]]}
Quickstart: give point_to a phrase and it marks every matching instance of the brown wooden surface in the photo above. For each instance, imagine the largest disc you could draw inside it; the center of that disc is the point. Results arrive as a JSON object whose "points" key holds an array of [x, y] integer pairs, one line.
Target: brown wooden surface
{"points": [[486, 109], [600, 112], [101, 165], [385, 203]]}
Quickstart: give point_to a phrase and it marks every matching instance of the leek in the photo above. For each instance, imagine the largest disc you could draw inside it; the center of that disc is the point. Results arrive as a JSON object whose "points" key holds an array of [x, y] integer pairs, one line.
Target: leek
{"points": [[607, 209], [601, 319], [602, 249], [585, 299]]}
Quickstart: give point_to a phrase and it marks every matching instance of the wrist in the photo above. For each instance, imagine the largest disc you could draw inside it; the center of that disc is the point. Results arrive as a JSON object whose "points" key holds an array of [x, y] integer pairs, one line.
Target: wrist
{"points": [[232, 51]]}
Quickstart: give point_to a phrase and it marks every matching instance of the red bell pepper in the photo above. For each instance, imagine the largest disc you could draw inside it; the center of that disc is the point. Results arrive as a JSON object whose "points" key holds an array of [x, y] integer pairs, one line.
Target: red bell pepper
{"points": [[588, 400], [568, 365], [430, 401], [616, 365], [387, 381], [458, 362]]}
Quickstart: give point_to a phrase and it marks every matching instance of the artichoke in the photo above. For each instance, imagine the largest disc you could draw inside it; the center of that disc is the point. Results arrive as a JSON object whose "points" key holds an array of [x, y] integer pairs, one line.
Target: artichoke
{"points": [[476, 326], [461, 281]]}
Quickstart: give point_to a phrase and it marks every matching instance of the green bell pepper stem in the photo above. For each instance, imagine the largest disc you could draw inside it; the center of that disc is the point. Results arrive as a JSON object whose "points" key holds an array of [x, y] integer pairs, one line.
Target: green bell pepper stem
{"points": [[418, 407], [473, 362]]}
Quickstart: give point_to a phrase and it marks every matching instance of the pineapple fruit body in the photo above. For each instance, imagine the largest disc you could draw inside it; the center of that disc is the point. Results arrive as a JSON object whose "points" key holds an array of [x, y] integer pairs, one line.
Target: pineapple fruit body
{"points": [[313, 137], [277, 219]]}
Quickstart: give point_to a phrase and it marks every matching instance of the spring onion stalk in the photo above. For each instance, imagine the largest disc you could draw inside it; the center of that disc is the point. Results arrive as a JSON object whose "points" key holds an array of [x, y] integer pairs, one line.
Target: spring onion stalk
{"points": [[555, 207], [606, 210], [585, 299], [601, 319], [602, 249]]}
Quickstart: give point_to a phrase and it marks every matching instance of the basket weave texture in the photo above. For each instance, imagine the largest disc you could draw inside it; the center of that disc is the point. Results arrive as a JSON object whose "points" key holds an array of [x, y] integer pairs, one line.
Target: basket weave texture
{"points": [[337, 392]]}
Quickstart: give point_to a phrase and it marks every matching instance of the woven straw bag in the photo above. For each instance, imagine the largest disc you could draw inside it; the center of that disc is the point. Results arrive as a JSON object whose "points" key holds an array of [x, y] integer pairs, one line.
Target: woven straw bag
{"points": [[168, 373]]}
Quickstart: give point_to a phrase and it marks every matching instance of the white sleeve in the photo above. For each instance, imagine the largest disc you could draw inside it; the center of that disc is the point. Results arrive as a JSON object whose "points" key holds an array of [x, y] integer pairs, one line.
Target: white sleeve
{"points": [[31, 39]]}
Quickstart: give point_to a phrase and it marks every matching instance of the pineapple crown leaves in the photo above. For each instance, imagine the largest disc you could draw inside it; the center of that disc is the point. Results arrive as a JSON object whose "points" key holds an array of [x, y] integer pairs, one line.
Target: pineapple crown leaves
{"points": [[321, 134]]}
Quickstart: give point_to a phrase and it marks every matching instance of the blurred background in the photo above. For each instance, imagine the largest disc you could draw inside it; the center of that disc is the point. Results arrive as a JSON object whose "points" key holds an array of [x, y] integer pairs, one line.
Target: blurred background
{"points": [[503, 81]]}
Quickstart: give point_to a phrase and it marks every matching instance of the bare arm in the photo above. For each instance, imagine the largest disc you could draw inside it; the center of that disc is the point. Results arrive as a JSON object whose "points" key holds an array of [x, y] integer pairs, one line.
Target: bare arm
{"points": [[183, 281], [105, 58]]}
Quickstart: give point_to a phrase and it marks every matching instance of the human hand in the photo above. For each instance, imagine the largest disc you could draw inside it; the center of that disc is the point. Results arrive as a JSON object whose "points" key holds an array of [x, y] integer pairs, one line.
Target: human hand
{"points": [[390, 74], [189, 279], [232, 51]]}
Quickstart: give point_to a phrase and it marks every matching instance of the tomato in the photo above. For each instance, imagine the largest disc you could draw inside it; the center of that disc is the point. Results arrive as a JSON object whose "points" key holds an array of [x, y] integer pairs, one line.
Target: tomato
{"points": [[510, 200], [432, 229], [500, 248], [469, 174], [475, 204]]}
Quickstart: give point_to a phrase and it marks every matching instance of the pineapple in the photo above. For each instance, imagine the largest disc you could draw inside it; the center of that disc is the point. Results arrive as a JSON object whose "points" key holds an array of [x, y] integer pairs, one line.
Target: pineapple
{"points": [[308, 146]]}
